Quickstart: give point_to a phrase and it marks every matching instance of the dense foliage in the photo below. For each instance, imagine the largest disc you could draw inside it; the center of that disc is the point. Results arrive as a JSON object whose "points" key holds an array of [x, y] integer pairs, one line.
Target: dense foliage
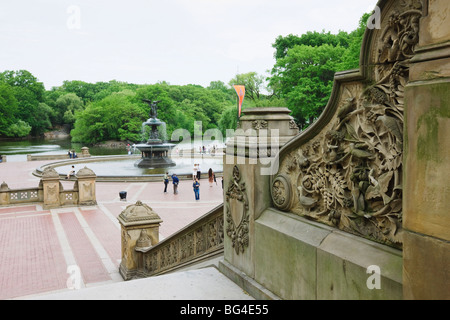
{"points": [[305, 66], [301, 79]]}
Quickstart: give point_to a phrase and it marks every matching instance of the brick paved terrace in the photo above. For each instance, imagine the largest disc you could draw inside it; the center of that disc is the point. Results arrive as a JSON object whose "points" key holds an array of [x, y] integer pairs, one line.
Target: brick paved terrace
{"points": [[39, 248]]}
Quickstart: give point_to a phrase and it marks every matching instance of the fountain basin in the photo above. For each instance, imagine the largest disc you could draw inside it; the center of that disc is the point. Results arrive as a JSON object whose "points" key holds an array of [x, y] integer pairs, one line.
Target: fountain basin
{"points": [[155, 155], [123, 168]]}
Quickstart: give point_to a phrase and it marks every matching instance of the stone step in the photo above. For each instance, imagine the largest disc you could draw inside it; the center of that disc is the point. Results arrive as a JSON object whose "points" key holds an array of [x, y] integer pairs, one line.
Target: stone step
{"points": [[201, 284]]}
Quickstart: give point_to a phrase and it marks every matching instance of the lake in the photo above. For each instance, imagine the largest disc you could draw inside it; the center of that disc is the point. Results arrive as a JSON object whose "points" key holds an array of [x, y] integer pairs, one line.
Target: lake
{"points": [[16, 151]]}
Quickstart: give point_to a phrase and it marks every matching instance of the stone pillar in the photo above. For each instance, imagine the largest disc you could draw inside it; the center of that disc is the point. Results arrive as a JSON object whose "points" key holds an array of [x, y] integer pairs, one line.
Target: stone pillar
{"points": [[85, 185], [85, 152], [4, 194], [140, 231], [248, 163], [51, 188], [426, 201]]}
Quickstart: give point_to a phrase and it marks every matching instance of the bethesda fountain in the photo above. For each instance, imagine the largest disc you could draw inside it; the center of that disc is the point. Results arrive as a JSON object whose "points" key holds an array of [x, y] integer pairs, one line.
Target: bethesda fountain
{"points": [[155, 152]]}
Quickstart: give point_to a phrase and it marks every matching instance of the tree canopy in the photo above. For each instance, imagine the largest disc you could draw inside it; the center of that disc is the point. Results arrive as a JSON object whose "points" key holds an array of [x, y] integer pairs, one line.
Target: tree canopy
{"points": [[22, 94], [305, 66]]}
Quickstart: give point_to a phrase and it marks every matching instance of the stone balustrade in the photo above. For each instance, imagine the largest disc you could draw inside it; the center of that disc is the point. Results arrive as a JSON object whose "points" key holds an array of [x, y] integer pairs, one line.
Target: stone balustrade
{"points": [[144, 256], [51, 193], [84, 154]]}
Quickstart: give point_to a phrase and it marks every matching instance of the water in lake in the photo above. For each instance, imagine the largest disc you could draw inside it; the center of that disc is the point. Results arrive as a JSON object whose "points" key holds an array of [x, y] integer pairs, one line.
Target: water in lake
{"points": [[17, 150]]}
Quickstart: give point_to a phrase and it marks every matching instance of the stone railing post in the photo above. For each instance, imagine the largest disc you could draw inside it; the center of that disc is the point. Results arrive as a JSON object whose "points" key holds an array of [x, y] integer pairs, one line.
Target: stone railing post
{"points": [[139, 232], [248, 163], [85, 152], [51, 188], [4, 194], [85, 185]]}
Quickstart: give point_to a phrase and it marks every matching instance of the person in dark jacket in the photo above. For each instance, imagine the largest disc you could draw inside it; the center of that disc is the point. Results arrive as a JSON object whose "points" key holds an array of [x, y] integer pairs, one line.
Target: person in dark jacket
{"points": [[166, 181], [175, 182], [196, 186]]}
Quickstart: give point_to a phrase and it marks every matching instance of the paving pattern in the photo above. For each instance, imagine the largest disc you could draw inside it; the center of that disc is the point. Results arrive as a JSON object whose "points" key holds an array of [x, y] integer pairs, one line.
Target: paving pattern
{"points": [[41, 250]]}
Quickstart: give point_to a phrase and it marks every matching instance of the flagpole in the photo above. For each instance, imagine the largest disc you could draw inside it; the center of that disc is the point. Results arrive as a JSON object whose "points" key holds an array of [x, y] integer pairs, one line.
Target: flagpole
{"points": [[237, 111]]}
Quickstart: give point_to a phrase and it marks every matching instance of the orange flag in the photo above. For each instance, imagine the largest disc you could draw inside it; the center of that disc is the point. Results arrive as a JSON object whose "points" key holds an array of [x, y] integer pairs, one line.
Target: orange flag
{"points": [[240, 90]]}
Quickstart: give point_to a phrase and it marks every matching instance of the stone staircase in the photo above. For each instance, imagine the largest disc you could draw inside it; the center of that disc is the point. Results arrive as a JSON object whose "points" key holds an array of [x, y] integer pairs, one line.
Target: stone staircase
{"points": [[200, 284], [203, 275]]}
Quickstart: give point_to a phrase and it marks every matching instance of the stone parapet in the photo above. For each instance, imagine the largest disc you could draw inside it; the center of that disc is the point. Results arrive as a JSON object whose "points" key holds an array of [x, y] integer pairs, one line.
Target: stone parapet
{"points": [[50, 192], [316, 262]]}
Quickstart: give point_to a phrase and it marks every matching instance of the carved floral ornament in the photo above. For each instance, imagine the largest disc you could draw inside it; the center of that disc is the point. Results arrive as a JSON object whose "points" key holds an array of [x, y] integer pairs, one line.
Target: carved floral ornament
{"points": [[237, 213], [350, 175], [260, 124]]}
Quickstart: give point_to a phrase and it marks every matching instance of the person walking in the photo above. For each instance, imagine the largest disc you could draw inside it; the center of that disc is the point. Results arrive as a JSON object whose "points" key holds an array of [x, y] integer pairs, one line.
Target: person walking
{"points": [[199, 172], [196, 186], [194, 173], [210, 177], [166, 181], [175, 182]]}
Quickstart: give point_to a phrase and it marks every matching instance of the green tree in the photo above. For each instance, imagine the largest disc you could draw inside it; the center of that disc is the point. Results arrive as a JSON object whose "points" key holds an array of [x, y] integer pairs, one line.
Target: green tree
{"points": [[86, 91], [116, 117], [8, 108], [181, 106], [253, 83], [228, 120], [311, 38], [65, 108], [305, 78], [303, 74], [29, 93], [19, 129], [351, 57]]}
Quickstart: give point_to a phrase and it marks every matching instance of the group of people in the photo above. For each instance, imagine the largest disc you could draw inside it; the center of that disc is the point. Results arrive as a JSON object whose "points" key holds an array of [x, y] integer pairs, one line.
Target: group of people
{"points": [[72, 154], [196, 181], [131, 149], [209, 149], [197, 173], [175, 182]]}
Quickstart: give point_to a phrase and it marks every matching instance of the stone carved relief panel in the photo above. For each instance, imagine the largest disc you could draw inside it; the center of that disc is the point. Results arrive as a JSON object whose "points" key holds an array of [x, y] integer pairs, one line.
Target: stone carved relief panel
{"points": [[350, 175], [237, 205], [203, 239]]}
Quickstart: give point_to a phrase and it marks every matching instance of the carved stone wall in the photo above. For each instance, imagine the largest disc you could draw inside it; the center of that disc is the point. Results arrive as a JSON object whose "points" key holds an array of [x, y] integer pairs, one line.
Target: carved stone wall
{"points": [[349, 175]]}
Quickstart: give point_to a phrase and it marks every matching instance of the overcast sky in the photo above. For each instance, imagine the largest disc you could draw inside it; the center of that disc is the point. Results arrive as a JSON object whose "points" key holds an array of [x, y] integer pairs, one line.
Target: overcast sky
{"points": [[146, 41]]}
